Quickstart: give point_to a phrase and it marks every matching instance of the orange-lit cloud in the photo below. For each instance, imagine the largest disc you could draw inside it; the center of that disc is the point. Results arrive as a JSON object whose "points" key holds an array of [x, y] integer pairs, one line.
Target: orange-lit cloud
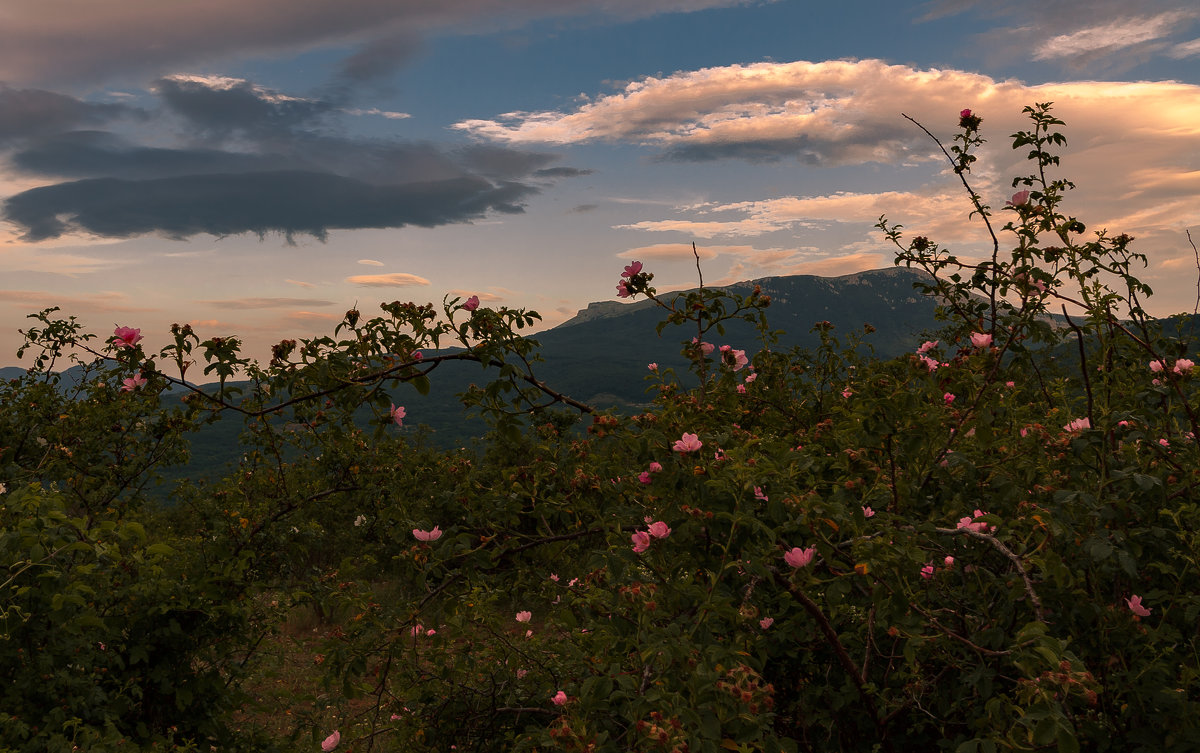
{"points": [[483, 297], [96, 303], [308, 316], [266, 303], [389, 280]]}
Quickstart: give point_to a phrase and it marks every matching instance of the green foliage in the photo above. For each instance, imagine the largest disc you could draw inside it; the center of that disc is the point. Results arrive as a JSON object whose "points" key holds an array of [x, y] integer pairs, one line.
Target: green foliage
{"points": [[986, 546]]}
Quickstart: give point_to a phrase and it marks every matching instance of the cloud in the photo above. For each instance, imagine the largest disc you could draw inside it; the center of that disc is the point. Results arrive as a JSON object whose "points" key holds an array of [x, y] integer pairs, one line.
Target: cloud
{"points": [[266, 166], [1185, 49], [376, 111], [300, 283], [1133, 148], [1113, 35], [483, 297], [836, 266], [29, 113], [104, 302], [370, 262], [309, 316], [266, 303], [829, 113], [221, 106], [286, 202], [389, 280], [823, 113], [672, 252], [97, 41]]}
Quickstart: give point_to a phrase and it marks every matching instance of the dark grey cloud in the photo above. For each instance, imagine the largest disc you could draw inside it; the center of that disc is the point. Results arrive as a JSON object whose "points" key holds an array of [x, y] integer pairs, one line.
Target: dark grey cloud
{"points": [[95, 41], [561, 172], [222, 107], [91, 154], [501, 162], [94, 154], [29, 113], [265, 163], [378, 59], [815, 152], [287, 202]]}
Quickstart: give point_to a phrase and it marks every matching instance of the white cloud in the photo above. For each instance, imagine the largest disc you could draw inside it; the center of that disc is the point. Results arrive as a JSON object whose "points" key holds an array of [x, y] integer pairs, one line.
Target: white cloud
{"points": [[376, 111], [370, 262], [1185, 49], [1113, 35]]}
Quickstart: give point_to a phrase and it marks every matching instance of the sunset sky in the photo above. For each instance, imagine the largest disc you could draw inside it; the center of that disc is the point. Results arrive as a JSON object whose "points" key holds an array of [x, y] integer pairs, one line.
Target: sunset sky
{"points": [[256, 168]]}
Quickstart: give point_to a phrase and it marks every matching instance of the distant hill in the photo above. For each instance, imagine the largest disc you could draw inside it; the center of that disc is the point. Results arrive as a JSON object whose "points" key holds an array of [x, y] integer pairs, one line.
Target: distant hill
{"points": [[605, 348]]}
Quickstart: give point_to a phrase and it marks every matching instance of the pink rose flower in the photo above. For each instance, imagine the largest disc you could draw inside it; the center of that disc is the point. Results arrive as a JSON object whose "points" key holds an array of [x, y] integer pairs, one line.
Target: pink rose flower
{"points": [[655, 466], [1156, 366], [927, 346], [471, 303], [560, 699], [659, 530], [766, 622], [1135, 606], [969, 523], [396, 414], [868, 512], [981, 339], [652, 366], [632, 269], [741, 389], [126, 337], [644, 477], [927, 571], [1078, 424], [641, 541], [132, 383], [332, 741], [524, 616], [759, 495], [798, 557], [688, 443], [622, 291], [1020, 198], [930, 363], [965, 114], [433, 535], [1183, 366], [948, 398], [949, 561]]}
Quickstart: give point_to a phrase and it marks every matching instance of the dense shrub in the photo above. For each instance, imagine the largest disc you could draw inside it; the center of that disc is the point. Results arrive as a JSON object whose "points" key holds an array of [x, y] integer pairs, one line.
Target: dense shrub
{"points": [[988, 545]]}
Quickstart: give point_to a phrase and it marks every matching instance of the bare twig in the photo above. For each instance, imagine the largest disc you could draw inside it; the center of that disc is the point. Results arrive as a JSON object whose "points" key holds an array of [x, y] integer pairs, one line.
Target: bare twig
{"points": [[1195, 310], [1008, 553], [1083, 365]]}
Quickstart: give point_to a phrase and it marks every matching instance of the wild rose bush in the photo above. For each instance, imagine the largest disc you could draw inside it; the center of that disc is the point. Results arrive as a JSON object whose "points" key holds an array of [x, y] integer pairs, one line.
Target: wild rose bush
{"points": [[988, 545]]}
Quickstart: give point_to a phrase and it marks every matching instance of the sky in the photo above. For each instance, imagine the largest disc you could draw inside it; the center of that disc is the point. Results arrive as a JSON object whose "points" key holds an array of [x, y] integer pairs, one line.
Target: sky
{"points": [[258, 168]]}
